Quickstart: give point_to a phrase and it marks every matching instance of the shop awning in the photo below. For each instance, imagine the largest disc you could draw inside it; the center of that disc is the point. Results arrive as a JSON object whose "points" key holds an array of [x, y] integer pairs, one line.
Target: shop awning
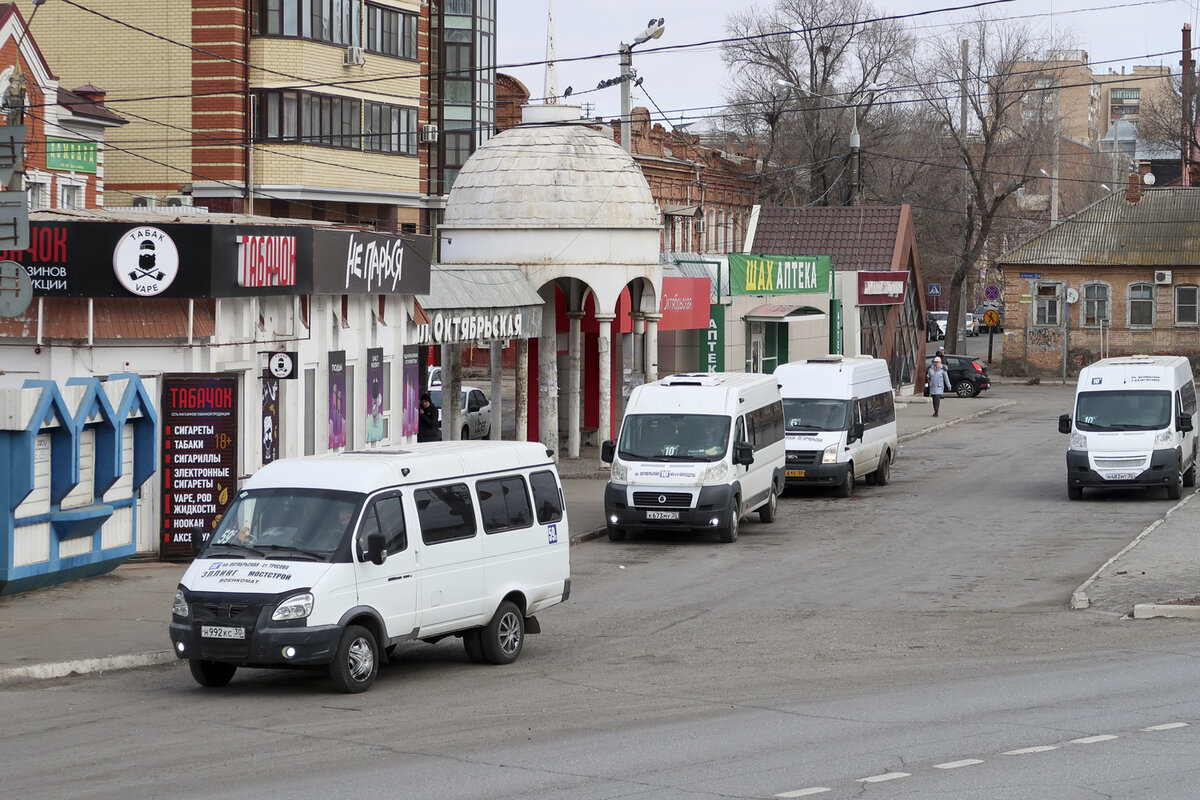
{"points": [[127, 318], [478, 303], [783, 312]]}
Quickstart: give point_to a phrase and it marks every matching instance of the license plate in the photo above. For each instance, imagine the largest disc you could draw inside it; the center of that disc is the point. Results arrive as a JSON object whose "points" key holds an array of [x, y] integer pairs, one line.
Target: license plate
{"points": [[222, 632], [1120, 476], [662, 515], [794, 473]]}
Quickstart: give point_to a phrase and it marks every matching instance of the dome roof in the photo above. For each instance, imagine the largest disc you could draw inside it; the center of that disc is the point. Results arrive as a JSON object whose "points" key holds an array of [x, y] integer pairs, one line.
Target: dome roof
{"points": [[551, 171]]}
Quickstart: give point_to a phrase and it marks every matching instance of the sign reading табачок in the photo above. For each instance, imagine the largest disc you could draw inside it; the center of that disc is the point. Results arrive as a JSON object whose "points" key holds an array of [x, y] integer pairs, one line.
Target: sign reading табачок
{"points": [[764, 275]]}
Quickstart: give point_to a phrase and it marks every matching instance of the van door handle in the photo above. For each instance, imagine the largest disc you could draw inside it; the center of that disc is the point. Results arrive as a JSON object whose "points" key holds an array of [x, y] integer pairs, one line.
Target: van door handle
{"points": [[399, 577]]}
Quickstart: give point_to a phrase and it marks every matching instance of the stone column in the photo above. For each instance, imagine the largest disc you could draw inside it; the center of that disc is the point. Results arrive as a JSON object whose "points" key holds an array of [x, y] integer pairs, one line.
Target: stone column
{"points": [[521, 410], [548, 374], [650, 359], [604, 345], [574, 373], [451, 392], [496, 354]]}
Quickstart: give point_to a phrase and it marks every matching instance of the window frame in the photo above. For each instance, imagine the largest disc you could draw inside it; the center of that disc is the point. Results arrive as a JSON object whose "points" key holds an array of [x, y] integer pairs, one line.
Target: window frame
{"points": [[1045, 303], [432, 491], [1195, 305], [1086, 301], [1130, 302], [514, 523], [557, 507]]}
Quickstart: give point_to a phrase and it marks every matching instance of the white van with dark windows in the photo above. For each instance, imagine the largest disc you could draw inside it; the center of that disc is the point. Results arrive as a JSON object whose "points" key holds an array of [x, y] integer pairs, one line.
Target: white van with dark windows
{"points": [[840, 417], [696, 452], [1132, 425], [331, 561]]}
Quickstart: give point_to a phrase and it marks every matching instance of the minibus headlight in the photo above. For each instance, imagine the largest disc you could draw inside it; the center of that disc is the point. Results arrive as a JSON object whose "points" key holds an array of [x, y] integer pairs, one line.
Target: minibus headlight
{"points": [[830, 455], [1164, 437], [298, 606], [180, 607], [619, 472], [1078, 440], [717, 473]]}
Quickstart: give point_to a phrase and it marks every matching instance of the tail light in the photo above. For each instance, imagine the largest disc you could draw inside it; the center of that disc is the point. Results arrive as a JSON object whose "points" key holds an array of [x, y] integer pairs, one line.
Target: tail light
{"points": [[978, 367]]}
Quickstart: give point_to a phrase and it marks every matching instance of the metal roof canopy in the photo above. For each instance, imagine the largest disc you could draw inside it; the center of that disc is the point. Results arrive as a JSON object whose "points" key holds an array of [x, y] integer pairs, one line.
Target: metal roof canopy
{"points": [[782, 312]]}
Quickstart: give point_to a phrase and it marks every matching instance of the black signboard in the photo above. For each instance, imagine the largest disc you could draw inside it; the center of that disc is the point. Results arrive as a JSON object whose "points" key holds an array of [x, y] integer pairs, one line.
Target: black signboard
{"points": [[357, 262], [199, 457]]}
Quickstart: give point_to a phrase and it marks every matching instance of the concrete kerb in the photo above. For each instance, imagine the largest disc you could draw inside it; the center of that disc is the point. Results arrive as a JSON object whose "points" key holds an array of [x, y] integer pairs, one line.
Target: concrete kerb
{"points": [[86, 666], [950, 422]]}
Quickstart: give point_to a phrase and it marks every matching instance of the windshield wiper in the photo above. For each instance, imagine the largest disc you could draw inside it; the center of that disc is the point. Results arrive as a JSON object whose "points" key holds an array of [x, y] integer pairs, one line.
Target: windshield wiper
{"points": [[806, 427], [291, 549], [238, 545]]}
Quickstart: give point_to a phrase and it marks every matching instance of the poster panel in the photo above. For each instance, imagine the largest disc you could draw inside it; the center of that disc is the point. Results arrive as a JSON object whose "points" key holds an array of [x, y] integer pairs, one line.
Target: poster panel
{"points": [[412, 376], [376, 392], [337, 398], [199, 458], [270, 419]]}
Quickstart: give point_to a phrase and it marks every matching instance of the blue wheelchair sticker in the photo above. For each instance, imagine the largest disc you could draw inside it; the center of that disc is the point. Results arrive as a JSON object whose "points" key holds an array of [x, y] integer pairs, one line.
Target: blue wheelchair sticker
{"points": [[552, 533]]}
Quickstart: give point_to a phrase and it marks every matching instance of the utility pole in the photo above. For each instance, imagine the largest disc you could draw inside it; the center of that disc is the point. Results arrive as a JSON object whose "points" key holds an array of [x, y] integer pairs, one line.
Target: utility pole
{"points": [[1186, 119], [654, 30], [956, 314]]}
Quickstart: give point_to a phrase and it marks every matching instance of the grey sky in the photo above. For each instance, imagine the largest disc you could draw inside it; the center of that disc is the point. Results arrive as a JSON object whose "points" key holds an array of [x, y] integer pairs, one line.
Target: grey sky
{"points": [[687, 83]]}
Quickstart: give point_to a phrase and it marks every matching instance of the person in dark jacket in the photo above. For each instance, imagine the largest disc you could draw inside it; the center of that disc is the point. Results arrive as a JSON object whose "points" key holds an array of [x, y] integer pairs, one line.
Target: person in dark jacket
{"points": [[937, 378], [429, 429]]}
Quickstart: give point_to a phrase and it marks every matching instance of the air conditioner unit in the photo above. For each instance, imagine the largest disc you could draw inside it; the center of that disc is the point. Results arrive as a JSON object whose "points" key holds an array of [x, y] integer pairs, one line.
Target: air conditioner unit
{"points": [[429, 134], [353, 57], [179, 200], [143, 201], [1163, 277]]}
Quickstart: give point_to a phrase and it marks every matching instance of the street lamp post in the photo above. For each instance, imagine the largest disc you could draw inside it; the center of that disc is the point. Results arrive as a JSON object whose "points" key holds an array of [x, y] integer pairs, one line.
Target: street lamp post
{"points": [[654, 30]]}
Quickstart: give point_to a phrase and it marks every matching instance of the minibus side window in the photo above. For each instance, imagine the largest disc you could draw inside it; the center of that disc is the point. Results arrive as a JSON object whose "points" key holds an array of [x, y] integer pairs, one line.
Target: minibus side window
{"points": [[504, 504], [446, 513], [1187, 397], [547, 498], [386, 516]]}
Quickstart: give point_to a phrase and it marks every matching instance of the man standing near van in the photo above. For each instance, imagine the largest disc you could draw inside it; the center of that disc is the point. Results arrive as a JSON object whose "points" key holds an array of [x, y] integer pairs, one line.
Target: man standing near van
{"points": [[937, 377]]}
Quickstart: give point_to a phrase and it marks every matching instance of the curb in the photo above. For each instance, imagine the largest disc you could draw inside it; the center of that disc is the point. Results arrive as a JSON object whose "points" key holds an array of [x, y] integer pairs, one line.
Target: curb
{"points": [[41, 672], [1151, 610], [1079, 598], [948, 423]]}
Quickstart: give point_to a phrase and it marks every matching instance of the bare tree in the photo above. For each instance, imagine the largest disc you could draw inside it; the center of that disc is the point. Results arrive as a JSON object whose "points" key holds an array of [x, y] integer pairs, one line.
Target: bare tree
{"points": [[827, 59], [1008, 96]]}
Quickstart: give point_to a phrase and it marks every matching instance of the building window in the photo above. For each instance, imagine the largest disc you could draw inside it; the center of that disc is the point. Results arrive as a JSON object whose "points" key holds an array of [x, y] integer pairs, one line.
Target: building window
{"points": [[1185, 305], [1048, 305], [38, 195], [332, 21], [391, 32], [1095, 303], [70, 196], [306, 118], [1141, 305], [390, 129]]}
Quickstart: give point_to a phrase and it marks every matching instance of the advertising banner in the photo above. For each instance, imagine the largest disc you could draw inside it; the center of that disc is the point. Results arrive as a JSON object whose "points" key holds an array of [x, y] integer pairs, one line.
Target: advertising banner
{"points": [[766, 275], [376, 394], [357, 262], [712, 349], [881, 288], [337, 398], [412, 376], [270, 419], [199, 458]]}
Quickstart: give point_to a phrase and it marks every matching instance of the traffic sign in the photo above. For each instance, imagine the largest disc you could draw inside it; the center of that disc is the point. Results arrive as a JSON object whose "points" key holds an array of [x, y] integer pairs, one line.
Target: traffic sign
{"points": [[935, 290], [991, 318], [992, 292]]}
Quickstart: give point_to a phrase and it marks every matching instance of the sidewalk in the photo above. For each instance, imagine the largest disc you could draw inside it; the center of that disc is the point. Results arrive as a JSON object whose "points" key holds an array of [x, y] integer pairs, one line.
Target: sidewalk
{"points": [[119, 620]]}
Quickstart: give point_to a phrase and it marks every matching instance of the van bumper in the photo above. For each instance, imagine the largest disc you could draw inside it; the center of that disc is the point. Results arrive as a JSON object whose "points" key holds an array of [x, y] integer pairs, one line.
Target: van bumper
{"points": [[711, 510], [262, 647], [816, 474], [1163, 470]]}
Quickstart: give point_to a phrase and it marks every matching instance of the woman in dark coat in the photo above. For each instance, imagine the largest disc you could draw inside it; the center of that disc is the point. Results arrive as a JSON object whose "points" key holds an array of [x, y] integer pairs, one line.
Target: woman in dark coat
{"points": [[428, 427]]}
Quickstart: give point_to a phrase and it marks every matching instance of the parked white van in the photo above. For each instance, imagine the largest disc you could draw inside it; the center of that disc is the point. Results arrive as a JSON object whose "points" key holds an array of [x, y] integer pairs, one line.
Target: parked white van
{"points": [[696, 452], [840, 416], [1132, 425], [329, 561]]}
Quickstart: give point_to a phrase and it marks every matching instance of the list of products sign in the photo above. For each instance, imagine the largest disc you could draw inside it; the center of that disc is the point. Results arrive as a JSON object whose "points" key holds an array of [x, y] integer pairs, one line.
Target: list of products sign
{"points": [[199, 457]]}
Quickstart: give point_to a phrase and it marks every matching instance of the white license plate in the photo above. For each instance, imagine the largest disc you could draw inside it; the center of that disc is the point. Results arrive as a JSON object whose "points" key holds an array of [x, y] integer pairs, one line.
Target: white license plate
{"points": [[1120, 476], [794, 473], [662, 515], [222, 632]]}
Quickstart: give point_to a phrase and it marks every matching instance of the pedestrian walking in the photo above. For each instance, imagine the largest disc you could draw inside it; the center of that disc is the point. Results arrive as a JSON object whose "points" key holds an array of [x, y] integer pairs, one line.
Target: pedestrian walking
{"points": [[429, 428], [937, 383]]}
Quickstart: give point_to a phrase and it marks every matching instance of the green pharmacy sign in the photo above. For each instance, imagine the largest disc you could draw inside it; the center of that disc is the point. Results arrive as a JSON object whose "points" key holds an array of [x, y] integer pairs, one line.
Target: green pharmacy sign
{"points": [[70, 155], [763, 275]]}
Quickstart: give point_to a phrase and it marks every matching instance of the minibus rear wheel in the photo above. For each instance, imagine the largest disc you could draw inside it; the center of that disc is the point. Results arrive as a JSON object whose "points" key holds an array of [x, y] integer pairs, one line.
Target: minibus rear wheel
{"points": [[504, 635]]}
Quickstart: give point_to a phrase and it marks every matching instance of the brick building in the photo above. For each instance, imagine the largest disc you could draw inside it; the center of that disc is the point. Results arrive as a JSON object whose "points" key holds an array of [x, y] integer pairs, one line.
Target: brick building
{"points": [[1120, 277]]}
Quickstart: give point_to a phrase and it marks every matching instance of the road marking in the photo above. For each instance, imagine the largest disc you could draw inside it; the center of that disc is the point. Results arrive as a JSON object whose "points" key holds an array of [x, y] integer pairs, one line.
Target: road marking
{"points": [[1169, 726], [887, 776], [966, 762], [1044, 748], [1093, 739], [804, 792]]}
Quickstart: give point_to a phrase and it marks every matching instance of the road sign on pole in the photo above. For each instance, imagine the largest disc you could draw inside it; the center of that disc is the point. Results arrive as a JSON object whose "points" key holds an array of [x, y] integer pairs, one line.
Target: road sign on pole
{"points": [[935, 290], [992, 292]]}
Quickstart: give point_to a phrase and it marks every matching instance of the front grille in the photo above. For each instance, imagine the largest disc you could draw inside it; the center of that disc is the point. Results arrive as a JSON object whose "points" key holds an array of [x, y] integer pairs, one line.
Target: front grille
{"points": [[662, 499], [1119, 463], [802, 458], [218, 612]]}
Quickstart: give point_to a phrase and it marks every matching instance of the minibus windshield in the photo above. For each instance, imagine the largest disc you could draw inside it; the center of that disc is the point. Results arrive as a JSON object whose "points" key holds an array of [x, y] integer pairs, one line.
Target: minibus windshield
{"points": [[805, 414], [1123, 410], [674, 437], [308, 524]]}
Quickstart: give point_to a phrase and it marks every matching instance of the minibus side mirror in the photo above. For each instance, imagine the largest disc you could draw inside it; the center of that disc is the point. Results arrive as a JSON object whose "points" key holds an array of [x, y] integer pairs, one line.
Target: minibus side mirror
{"points": [[1064, 423], [376, 549], [743, 453], [856, 431], [607, 451], [200, 540], [1185, 423]]}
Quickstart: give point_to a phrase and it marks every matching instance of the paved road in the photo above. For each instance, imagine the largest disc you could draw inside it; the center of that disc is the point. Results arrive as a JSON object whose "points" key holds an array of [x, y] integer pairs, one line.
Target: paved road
{"points": [[914, 624]]}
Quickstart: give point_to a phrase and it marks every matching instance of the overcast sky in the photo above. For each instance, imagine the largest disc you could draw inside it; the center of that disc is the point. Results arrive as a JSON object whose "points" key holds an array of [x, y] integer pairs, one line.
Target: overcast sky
{"points": [[689, 82]]}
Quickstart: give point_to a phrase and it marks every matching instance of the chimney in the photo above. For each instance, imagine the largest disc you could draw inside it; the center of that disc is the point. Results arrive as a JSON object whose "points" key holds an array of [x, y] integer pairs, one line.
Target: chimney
{"points": [[1134, 192], [92, 94]]}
